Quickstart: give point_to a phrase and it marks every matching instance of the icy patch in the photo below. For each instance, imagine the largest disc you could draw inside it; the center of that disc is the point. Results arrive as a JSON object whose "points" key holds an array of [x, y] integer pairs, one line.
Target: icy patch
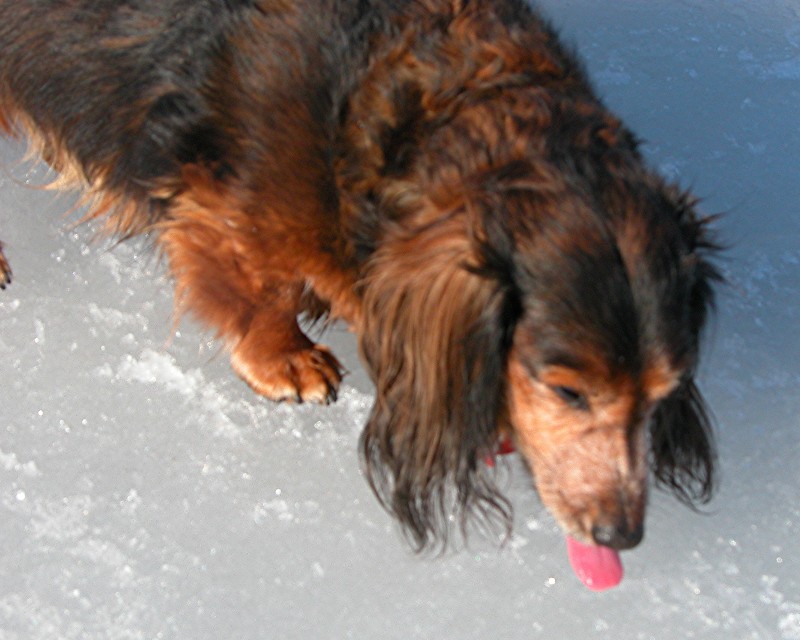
{"points": [[11, 304], [114, 318], [211, 407], [518, 542], [789, 621], [153, 367], [129, 261], [354, 405], [9, 462], [28, 610], [612, 76], [533, 524], [279, 509], [762, 275], [38, 327], [672, 169], [131, 503], [113, 264], [216, 409], [62, 520], [273, 508], [786, 70], [781, 70]]}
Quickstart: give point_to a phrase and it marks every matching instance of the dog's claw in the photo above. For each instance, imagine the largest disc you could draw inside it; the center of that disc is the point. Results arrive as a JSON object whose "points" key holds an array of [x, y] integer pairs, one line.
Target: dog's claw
{"points": [[306, 375]]}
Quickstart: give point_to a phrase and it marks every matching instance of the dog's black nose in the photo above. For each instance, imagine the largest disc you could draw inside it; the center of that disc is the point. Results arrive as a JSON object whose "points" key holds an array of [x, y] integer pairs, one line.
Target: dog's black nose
{"points": [[617, 536]]}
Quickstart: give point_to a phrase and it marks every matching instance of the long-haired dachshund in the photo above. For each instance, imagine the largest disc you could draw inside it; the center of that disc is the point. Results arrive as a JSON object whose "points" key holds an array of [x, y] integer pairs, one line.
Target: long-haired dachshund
{"points": [[437, 173]]}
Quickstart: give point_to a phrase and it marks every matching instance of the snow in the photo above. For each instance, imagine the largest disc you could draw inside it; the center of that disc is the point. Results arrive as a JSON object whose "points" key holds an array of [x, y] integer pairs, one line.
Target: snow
{"points": [[145, 492]]}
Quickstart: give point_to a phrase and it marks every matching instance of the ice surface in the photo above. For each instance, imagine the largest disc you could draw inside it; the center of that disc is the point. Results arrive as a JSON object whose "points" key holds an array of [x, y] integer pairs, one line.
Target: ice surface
{"points": [[146, 493]]}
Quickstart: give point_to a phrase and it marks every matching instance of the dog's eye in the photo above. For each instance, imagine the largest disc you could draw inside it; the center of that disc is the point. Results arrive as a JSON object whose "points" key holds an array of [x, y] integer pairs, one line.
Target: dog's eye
{"points": [[572, 397]]}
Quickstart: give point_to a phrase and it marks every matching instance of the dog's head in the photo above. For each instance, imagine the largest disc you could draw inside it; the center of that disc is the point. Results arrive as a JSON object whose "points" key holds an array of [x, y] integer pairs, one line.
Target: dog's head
{"points": [[614, 294], [570, 319]]}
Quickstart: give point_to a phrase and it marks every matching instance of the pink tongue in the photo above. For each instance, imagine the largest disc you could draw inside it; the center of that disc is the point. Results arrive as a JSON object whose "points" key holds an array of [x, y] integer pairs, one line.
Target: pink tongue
{"points": [[599, 568]]}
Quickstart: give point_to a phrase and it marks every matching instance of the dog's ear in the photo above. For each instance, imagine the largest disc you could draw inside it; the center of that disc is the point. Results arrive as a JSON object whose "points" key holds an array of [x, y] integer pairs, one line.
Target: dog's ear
{"points": [[437, 328], [697, 262], [682, 439], [682, 445]]}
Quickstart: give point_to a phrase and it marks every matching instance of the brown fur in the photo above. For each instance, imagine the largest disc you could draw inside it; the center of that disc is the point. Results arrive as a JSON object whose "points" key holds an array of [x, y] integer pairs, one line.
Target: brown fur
{"points": [[438, 174]]}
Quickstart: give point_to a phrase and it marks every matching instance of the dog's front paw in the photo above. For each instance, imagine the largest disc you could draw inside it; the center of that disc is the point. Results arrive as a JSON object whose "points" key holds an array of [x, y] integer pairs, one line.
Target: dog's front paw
{"points": [[306, 375], [5, 269]]}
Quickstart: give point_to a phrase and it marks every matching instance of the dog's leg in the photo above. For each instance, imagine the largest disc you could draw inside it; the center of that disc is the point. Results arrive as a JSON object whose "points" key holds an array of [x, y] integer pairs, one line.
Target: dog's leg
{"points": [[277, 360], [244, 280], [5, 269]]}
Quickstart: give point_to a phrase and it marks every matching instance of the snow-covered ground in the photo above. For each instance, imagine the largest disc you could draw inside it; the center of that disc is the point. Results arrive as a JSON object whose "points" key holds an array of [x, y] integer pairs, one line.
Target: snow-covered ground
{"points": [[145, 492]]}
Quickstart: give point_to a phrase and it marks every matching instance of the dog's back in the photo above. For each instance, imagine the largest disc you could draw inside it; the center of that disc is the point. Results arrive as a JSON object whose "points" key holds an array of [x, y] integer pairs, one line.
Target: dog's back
{"points": [[123, 95]]}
